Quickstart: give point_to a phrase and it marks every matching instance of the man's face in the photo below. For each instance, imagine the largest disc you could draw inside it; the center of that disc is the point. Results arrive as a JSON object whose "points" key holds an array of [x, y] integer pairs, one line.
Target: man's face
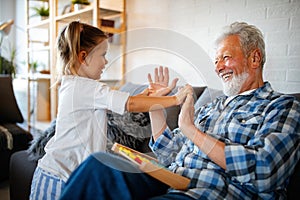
{"points": [[231, 66]]}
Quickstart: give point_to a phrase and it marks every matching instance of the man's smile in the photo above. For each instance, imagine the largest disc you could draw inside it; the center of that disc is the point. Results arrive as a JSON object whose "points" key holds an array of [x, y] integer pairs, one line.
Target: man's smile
{"points": [[226, 75]]}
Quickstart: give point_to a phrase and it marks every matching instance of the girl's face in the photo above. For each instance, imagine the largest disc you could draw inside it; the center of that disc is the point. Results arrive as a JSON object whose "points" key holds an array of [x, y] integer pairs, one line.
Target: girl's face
{"points": [[93, 63]]}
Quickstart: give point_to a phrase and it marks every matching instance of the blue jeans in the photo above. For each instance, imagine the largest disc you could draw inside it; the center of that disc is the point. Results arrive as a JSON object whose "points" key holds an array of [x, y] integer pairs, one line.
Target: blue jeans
{"points": [[106, 176]]}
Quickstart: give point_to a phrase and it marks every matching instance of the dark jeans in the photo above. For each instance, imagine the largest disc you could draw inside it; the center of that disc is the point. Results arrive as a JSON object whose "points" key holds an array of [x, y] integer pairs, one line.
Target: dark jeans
{"points": [[106, 176]]}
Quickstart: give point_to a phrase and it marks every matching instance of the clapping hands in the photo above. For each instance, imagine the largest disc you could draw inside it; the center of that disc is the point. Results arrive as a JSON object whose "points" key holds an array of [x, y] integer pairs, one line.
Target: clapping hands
{"points": [[161, 85], [183, 92]]}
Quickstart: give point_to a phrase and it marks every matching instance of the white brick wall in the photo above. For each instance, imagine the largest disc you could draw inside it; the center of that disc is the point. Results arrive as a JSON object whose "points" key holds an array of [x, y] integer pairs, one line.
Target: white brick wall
{"points": [[200, 20]]}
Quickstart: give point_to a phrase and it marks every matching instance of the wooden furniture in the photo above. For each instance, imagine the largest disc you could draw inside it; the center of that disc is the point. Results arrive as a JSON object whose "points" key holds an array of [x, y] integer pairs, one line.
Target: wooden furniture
{"points": [[13, 137], [108, 15], [37, 33], [41, 97]]}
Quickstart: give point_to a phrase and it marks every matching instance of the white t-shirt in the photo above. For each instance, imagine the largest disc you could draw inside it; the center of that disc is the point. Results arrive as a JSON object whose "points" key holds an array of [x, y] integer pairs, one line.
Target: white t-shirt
{"points": [[81, 126]]}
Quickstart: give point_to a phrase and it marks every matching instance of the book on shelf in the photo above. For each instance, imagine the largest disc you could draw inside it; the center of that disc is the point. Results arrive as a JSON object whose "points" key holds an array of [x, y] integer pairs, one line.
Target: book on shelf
{"points": [[151, 166]]}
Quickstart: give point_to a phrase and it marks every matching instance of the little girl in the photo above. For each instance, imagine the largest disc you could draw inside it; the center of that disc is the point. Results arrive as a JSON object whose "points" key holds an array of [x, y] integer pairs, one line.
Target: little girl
{"points": [[81, 121]]}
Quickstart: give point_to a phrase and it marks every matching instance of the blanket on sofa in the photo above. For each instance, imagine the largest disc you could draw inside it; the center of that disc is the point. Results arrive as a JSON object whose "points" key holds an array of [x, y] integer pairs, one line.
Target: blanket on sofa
{"points": [[130, 129], [13, 137]]}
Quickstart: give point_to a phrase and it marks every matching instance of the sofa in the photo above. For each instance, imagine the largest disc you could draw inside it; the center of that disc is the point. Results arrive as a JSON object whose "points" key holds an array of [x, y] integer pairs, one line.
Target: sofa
{"points": [[13, 137], [23, 163]]}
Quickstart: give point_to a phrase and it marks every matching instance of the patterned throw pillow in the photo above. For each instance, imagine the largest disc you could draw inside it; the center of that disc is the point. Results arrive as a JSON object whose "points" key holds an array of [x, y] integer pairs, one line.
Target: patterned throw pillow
{"points": [[129, 129], [36, 148]]}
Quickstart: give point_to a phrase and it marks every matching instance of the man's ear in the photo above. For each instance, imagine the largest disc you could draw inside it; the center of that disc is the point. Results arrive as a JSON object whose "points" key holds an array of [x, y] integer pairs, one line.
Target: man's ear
{"points": [[255, 58], [81, 56]]}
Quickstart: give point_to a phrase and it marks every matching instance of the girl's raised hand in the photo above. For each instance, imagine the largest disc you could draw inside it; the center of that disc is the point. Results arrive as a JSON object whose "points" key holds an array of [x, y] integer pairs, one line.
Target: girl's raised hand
{"points": [[161, 85]]}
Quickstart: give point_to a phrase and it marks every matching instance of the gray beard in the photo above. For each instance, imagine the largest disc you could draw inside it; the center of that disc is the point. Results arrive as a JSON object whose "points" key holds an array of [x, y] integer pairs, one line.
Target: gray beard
{"points": [[233, 87]]}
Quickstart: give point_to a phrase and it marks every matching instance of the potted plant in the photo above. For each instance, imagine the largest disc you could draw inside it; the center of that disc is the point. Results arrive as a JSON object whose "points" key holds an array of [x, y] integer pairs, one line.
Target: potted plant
{"points": [[7, 65], [41, 11], [33, 66], [79, 4]]}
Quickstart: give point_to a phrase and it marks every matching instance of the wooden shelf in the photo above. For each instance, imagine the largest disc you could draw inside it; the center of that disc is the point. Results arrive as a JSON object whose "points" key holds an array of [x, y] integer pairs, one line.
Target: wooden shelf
{"points": [[87, 13], [114, 10], [40, 0], [112, 30], [36, 49], [43, 24], [39, 76], [109, 14]]}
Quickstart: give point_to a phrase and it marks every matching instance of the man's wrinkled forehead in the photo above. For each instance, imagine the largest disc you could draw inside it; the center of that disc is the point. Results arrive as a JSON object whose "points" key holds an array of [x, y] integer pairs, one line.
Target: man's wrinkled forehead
{"points": [[229, 43]]}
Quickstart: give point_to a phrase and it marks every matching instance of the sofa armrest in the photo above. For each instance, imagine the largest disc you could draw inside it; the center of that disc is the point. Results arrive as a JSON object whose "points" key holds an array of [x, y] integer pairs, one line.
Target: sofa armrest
{"points": [[20, 175]]}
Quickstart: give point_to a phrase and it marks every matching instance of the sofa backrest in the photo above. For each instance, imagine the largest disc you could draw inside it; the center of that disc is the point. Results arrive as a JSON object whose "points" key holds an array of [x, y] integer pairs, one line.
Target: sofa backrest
{"points": [[297, 95], [172, 112]]}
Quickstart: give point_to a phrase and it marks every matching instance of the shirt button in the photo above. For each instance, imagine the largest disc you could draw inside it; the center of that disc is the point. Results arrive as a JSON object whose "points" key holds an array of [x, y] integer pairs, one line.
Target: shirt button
{"points": [[243, 121]]}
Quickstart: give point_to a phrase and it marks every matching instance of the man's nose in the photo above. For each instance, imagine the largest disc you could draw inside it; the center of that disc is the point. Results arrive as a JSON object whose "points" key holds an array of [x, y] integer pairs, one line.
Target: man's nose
{"points": [[219, 66]]}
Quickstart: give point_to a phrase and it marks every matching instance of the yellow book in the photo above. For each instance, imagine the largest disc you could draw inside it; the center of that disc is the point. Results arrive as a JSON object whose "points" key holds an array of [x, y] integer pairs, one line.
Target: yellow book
{"points": [[150, 166]]}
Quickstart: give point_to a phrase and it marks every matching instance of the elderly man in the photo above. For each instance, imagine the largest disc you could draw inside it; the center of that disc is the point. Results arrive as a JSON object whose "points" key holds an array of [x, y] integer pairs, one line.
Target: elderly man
{"points": [[243, 145]]}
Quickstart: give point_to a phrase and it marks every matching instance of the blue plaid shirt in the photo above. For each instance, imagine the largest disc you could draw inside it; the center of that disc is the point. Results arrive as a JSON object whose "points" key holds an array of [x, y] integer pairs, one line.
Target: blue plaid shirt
{"points": [[261, 131]]}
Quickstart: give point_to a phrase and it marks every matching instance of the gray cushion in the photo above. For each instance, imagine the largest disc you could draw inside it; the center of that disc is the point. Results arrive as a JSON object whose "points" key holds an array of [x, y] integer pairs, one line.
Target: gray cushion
{"points": [[206, 97], [133, 88], [129, 129]]}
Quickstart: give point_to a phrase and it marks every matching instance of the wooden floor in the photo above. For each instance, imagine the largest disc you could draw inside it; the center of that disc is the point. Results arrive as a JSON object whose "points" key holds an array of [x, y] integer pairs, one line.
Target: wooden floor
{"points": [[4, 190]]}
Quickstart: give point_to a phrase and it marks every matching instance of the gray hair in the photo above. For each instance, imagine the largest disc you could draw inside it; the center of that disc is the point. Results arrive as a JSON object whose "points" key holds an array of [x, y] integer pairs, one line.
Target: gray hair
{"points": [[250, 38]]}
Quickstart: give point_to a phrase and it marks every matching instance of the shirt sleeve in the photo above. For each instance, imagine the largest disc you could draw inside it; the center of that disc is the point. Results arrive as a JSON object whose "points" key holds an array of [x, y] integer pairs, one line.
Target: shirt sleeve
{"points": [[114, 100], [117, 101], [269, 158], [167, 146], [83, 93]]}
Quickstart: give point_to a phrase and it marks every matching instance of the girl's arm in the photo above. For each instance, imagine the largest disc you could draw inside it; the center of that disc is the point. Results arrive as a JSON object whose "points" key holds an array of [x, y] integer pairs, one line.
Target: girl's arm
{"points": [[142, 103]]}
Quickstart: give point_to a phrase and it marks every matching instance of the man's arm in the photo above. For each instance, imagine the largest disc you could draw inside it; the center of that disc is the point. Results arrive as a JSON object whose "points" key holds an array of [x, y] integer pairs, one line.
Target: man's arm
{"points": [[158, 123], [268, 157], [212, 147], [159, 88]]}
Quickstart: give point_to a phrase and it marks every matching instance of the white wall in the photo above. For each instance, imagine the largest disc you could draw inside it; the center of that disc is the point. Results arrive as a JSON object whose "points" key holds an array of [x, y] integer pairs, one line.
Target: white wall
{"points": [[180, 34], [15, 9], [7, 12], [194, 24]]}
